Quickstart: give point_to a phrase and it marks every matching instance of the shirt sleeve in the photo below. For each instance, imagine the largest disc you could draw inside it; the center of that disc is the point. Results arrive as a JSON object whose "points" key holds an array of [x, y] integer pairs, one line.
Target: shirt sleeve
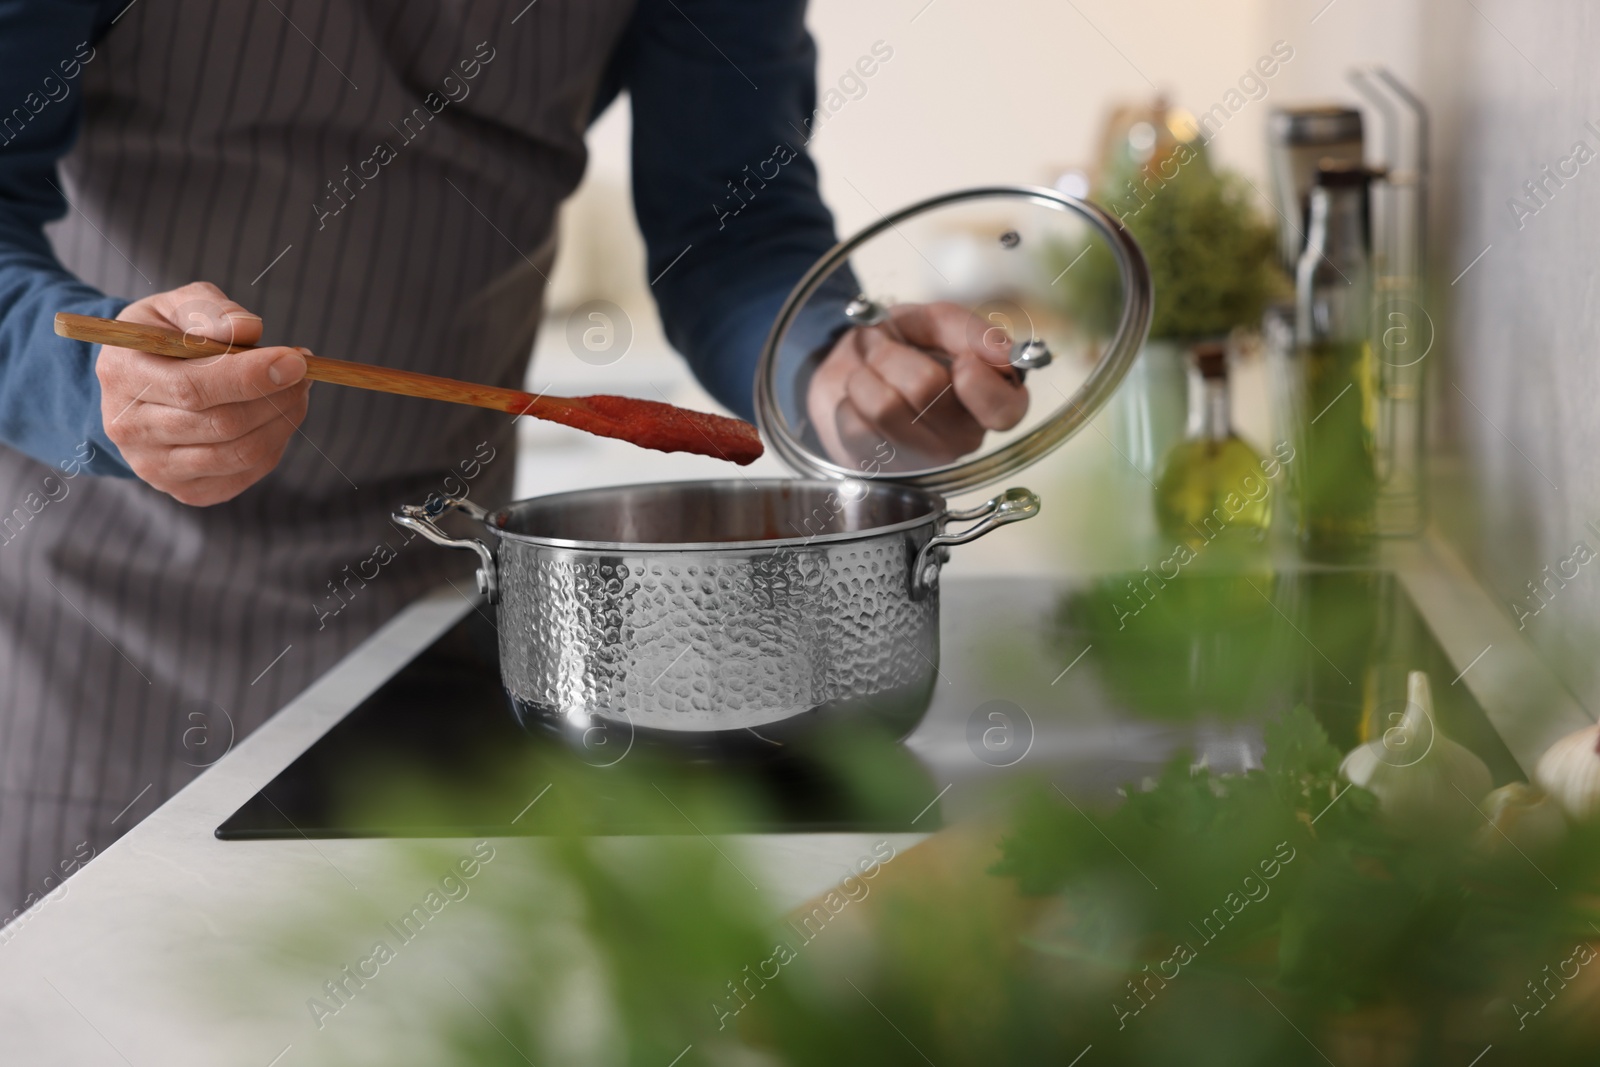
{"points": [[724, 96], [49, 395]]}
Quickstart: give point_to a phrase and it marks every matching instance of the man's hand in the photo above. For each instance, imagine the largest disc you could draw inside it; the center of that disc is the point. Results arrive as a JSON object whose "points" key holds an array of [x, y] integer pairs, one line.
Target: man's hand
{"points": [[929, 381], [202, 430]]}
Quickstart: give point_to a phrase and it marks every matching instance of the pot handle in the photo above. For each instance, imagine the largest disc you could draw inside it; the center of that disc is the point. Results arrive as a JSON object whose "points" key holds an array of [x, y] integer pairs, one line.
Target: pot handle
{"points": [[1013, 505], [420, 519]]}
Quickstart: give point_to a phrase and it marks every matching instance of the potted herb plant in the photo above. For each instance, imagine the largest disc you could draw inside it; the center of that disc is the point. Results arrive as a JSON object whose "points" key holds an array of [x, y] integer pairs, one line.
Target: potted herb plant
{"points": [[1211, 257]]}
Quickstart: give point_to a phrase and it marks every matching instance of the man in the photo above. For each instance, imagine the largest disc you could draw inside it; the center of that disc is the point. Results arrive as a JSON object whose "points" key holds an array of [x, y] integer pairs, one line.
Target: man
{"points": [[186, 545]]}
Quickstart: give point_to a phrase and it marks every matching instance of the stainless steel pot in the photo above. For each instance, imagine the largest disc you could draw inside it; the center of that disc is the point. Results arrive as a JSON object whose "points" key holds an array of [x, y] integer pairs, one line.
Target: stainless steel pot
{"points": [[708, 610], [749, 611]]}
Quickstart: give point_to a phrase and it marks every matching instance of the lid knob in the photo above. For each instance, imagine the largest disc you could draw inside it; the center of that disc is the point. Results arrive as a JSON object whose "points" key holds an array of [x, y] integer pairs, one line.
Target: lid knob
{"points": [[1031, 354], [862, 310]]}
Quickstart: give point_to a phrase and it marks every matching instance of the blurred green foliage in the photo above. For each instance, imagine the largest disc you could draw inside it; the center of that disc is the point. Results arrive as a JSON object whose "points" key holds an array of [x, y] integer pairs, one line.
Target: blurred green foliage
{"points": [[1290, 881], [1239, 645], [1271, 917], [1225, 651], [1212, 255]]}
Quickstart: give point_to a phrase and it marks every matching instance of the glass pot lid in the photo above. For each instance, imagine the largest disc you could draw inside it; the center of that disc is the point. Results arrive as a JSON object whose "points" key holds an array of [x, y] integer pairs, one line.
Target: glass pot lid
{"points": [[950, 344]]}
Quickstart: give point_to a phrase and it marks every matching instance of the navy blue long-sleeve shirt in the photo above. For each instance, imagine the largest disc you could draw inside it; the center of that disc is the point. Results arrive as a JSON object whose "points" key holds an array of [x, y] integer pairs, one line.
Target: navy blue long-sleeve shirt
{"points": [[724, 193]]}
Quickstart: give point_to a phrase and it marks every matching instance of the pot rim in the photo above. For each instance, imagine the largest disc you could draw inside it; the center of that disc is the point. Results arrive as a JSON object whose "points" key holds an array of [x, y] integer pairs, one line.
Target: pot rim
{"points": [[937, 509]]}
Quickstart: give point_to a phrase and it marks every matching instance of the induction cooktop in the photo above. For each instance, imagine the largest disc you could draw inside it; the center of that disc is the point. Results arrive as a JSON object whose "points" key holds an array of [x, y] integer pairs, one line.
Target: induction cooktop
{"points": [[1093, 684], [443, 720]]}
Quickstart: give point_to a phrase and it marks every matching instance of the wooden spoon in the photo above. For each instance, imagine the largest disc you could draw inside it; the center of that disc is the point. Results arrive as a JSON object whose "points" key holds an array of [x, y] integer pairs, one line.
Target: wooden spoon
{"points": [[647, 423]]}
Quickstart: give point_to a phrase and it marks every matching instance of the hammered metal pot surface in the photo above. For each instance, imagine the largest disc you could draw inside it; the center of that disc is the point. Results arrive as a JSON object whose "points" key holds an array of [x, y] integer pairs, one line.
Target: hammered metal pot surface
{"points": [[717, 637], [712, 641], [709, 614]]}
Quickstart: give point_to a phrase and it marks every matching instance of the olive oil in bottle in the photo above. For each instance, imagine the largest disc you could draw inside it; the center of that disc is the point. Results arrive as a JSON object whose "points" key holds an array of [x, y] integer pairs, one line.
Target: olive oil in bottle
{"points": [[1336, 488], [1212, 489], [1334, 479]]}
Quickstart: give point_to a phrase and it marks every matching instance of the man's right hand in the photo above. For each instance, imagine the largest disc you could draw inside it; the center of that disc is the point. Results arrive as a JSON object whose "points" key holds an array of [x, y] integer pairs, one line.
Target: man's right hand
{"points": [[201, 430]]}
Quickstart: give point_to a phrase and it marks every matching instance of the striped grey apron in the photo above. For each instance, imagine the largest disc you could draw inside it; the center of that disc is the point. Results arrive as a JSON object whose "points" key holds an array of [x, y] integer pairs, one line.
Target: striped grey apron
{"points": [[379, 180]]}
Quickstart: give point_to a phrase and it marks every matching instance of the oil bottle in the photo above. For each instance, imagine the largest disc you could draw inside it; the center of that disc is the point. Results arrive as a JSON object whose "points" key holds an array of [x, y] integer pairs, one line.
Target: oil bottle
{"points": [[1213, 489], [1334, 479]]}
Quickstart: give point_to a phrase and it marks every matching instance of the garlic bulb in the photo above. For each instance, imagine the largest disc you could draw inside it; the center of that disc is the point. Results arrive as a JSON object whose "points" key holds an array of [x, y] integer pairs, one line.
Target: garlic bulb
{"points": [[1570, 772], [1417, 773], [1522, 814]]}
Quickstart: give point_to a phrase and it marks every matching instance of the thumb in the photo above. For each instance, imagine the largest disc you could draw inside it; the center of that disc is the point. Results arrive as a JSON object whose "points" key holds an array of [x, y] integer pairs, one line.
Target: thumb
{"points": [[205, 312]]}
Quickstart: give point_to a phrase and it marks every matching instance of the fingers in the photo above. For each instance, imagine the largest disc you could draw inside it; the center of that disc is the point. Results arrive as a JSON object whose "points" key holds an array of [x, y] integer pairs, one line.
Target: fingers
{"points": [[202, 430], [995, 400], [930, 381], [951, 328], [918, 376], [873, 390], [916, 443], [198, 384], [925, 385], [905, 396], [167, 446], [160, 424], [199, 309], [208, 492], [261, 448], [209, 471], [980, 364], [851, 440]]}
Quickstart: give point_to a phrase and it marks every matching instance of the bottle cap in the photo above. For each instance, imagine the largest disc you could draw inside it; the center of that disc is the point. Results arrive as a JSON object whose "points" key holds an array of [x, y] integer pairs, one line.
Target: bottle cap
{"points": [[1315, 125], [1344, 174], [1212, 359]]}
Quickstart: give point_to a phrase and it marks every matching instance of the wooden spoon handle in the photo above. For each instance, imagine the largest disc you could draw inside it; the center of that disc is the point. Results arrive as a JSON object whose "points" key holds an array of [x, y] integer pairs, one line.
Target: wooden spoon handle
{"points": [[157, 340], [162, 341], [642, 422]]}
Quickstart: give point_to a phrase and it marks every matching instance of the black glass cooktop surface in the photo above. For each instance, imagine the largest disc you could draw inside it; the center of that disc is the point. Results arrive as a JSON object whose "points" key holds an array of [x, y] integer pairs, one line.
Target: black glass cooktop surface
{"points": [[444, 720], [1093, 684]]}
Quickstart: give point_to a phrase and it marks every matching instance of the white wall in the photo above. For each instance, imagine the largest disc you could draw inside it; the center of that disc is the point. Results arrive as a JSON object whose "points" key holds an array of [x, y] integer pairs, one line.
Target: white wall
{"points": [[1000, 91], [1515, 86], [1012, 90], [1329, 38]]}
